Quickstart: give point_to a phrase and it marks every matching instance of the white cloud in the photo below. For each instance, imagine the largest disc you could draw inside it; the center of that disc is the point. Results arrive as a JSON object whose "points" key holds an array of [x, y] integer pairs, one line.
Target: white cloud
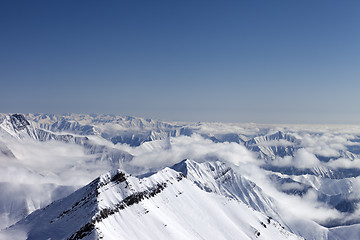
{"points": [[283, 162], [195, 148], [200, 149], [68, 164], [13, 234], [326, 144], [292, 186], [49, 162], [305, 159], [302, 159], [344, 163]]}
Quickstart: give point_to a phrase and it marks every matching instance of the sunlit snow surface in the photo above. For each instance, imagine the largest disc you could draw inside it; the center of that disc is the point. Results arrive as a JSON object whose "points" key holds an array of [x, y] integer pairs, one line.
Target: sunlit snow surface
{"points": [[305, 178]]}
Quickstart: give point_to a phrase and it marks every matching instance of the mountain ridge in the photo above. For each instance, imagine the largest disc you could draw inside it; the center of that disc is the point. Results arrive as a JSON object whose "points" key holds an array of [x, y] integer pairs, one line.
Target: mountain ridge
{"points": [[113, 195]]}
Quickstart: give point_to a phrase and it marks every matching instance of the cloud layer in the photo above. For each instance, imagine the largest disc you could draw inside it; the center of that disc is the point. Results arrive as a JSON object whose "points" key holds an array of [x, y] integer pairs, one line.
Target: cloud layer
{"points": [[41, 163]]}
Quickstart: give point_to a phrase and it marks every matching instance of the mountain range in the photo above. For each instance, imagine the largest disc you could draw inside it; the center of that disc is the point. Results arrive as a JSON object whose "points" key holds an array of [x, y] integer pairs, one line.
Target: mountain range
{"points": [[79, 176]]}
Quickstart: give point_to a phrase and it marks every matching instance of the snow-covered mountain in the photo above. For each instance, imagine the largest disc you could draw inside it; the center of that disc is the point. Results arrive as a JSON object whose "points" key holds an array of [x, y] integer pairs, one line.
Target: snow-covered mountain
{"points": [[165, 205], [18, 127], [240, 176], [278, 144], [262, 139], [117, 129], [20, 198], [219, 178]]}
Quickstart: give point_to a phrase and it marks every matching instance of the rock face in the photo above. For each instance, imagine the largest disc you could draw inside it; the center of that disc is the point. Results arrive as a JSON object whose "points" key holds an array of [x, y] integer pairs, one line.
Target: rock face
{"points": [[18, 121]]}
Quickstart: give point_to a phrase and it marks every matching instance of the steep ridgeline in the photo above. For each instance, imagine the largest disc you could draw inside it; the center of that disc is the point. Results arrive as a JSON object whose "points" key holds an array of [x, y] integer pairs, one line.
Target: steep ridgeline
{"points": [[219, 178], [165, 205]]}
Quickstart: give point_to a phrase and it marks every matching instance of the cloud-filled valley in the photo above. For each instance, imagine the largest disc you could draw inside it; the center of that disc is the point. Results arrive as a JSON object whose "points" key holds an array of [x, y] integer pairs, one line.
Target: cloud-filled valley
{"points": [[310, 173]]}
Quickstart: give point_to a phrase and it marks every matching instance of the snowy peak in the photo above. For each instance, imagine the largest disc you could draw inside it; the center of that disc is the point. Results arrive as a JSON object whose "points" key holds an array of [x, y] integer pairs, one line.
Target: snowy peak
{"points": [[202, 171], [89, 206], [269, 146], [279, 135], [18, 121], [17, 126], [219, 178], [165, 205]]}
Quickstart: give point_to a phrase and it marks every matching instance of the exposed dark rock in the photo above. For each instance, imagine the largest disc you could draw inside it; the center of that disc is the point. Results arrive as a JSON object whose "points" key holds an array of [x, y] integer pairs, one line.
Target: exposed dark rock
{"points": [[19, 121], [83, 232], [181, 167], [180, 177], [128, 201], [119, 177]]}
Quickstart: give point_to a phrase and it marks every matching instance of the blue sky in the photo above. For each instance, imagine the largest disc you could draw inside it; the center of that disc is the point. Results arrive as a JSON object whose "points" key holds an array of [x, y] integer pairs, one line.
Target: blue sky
{"points": [[232, 61]]}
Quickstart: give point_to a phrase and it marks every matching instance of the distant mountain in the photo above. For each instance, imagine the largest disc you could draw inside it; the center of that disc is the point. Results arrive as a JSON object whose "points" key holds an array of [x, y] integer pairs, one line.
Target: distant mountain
{"points": [[16, 126], [129, 130], [274, 145], [203, 199], [135, 131]]}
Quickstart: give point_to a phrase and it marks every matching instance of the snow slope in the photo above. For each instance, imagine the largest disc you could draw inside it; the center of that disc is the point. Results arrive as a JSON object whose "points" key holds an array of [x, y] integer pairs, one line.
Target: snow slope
{"points": [[166, 205]]}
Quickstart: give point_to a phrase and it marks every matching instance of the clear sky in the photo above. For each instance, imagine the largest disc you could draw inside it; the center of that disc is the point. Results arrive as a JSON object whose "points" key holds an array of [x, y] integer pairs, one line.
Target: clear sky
{"points": [[235, 61]]}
